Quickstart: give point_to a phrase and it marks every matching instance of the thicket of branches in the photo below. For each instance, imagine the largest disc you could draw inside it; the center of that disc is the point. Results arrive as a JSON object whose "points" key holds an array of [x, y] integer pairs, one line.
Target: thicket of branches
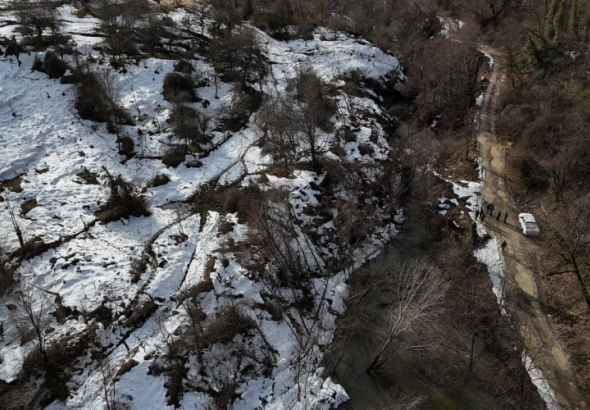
{"points": [[37, 16]]}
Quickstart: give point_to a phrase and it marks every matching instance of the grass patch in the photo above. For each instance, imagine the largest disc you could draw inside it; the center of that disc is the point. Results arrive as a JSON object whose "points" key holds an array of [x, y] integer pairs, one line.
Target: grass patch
{"points": [[89, 178], [27, 206], [13, 184]]}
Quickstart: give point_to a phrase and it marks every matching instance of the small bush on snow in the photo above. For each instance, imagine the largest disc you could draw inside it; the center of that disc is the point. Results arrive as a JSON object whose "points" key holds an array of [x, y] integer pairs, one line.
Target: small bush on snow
{"points": [[174, 156], [159, 180], [184, 67], [124, 201], [179, 88], [189, 125], [54, 66], [241, 201], [94, 103], [126, 145], [228, 324]]}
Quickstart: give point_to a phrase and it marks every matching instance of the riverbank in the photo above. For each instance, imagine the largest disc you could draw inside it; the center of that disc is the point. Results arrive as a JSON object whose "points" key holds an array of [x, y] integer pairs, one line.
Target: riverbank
{"points": [[469, 359]]}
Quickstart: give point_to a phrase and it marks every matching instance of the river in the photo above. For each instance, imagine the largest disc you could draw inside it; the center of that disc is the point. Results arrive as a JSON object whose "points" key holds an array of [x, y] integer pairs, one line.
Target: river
{"points": [[372, 390]]}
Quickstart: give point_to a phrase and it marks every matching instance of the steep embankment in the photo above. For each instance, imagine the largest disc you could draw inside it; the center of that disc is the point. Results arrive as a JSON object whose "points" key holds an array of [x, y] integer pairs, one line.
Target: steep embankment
{"points": [[120, 286]]}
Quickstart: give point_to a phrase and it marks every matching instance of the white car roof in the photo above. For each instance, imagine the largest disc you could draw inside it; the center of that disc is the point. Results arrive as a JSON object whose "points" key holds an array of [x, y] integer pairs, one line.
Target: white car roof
{"points": [[527, 217]]}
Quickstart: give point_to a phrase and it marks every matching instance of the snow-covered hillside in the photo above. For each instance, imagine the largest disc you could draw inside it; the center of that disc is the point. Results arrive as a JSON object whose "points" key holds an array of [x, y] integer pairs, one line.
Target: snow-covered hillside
{"points": [[56, 161]]}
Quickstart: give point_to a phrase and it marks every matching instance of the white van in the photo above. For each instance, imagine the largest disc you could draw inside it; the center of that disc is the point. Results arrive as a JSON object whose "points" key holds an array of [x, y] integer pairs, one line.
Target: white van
{"points": [[528, 224]]}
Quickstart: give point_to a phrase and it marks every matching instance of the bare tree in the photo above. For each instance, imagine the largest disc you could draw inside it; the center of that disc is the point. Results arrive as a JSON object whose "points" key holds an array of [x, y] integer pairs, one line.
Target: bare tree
{"points": [[225, 14], [567, 242], [421, 187], [151, 31], [444, 79], [32, 314], [6, 275], [38, 14], [239, 55], [108, 381], [298, 123], [416, 289], [280, 136], [112, 92], [196, 315], [16, 227], [311, 112], [488, 12]]}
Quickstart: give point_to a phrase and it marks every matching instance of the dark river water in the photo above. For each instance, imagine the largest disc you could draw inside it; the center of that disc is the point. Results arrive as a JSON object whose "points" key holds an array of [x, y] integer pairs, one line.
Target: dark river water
{"points": [[371, 391]]}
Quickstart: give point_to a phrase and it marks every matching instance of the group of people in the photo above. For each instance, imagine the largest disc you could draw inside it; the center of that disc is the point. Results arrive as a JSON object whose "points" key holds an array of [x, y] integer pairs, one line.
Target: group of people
{"points": [[479, 213]]}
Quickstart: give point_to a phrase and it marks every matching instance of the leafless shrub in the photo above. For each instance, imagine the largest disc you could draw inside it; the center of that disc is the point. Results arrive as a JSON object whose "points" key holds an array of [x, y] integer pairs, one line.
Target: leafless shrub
{"points": [[19, 398], [126, 145], [196, 316], [159, 180], [175, 372], [6, 271], [193, 292], [241, 201], [123, 202], [97, 99], [38, 15], [141, 313], [225, 395], [32, 315], [126, 368], [184, 67], [53, 66], [225, 227], [139, 267], [179, 88], [174, 156], [189, 125], [228, 323], [109, 384], [236, 113]]}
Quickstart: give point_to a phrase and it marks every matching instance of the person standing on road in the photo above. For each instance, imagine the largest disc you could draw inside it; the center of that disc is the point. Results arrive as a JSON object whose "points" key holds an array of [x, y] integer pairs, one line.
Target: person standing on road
{"points": [[504, 246], [505, 216], [498, 216], [491, 209]]}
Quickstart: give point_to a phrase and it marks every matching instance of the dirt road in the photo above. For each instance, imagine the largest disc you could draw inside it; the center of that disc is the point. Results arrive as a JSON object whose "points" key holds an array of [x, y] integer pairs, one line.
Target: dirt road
{"points": [[522, 298]]}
